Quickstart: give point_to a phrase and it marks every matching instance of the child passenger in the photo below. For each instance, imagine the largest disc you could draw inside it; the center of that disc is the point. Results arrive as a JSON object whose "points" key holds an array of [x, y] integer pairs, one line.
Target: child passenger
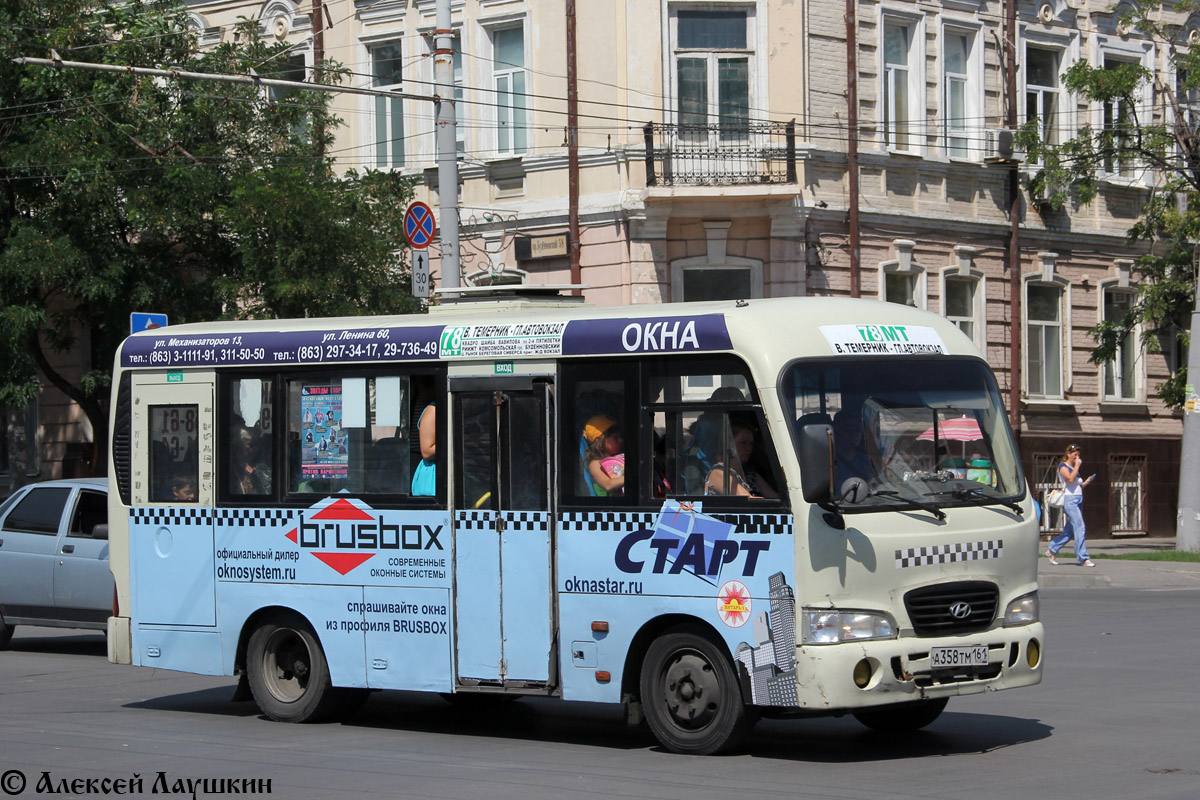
{"points": [[605, 456]]}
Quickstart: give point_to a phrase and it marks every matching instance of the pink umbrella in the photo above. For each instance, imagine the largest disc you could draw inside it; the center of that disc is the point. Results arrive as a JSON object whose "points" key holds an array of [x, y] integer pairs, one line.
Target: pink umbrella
{"points": [[962, 429]]}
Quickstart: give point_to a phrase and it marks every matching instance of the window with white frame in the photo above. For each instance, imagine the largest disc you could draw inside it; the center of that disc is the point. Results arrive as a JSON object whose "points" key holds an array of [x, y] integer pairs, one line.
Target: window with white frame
{"points": [[1120, 374], [1187, 96], [1119, 121], [292, 68], [957, 99], [1043, 93], [899, 98], [511, 79], [388, 116], [1127, 481], [1043, 352], [713, 49], [960, 303]]}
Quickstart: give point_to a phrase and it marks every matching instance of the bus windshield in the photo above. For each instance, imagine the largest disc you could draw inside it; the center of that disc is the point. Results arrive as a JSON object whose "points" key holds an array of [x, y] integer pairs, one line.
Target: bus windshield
{"points": [[913, 430]]}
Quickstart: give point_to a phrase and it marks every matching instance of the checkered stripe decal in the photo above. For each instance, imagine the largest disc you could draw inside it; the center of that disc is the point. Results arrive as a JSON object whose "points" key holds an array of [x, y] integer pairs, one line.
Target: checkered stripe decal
{"points": [[949, 553], [253, 517], [170, 516], [769, 524], [606, 521], [516, 520]]}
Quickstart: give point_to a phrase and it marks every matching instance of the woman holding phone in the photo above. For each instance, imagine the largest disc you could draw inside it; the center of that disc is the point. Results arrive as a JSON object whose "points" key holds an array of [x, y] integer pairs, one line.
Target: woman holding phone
{"points": [[1072, 485]]}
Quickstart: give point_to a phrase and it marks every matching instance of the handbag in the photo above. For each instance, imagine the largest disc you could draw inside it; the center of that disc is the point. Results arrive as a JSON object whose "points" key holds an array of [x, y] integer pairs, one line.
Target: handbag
{"points": [[1055, 498]]}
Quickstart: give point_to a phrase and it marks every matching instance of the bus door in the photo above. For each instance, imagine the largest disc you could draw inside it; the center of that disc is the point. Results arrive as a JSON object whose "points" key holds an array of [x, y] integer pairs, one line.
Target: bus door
{"points": [[503, 530], [171, 527]]}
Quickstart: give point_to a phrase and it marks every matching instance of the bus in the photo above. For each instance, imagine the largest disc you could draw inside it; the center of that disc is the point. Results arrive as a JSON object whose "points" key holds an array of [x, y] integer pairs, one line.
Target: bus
{"points": [[706, 512]]}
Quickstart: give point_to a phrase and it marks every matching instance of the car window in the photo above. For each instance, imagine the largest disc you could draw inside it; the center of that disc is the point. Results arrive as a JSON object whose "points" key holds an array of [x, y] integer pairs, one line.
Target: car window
{"points": [[39, 511], [7, 504], [91, 509]]}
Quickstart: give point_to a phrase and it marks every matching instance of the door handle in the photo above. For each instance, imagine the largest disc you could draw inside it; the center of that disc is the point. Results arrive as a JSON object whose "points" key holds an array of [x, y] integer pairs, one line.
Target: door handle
{"points": [[68, 548]]}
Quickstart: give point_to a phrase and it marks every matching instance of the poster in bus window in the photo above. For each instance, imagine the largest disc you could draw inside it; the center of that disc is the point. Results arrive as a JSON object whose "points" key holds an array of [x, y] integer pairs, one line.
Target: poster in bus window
{"points": [[324, 451]]}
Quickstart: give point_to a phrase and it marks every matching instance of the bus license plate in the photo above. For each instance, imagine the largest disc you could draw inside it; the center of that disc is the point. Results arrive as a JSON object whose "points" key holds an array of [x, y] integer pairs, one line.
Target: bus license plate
{"points": [[975, 656]]}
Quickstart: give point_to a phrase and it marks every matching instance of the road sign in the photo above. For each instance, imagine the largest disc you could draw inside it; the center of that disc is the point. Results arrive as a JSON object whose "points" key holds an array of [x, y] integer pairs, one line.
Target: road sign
{"points": [[139, 321], [420, 273], [419, 227]]}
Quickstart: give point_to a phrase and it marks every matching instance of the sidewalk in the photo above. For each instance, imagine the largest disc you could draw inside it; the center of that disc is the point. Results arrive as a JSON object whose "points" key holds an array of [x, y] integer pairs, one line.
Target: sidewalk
{"points": [[1117, 574]]}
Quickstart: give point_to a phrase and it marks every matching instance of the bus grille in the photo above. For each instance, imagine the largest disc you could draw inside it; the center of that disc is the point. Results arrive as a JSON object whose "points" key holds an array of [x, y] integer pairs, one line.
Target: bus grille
{"points": [[938, 611]]}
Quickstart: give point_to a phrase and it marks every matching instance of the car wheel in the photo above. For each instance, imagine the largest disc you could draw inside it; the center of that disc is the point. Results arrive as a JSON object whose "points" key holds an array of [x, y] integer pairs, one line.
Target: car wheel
{"points": [[690, 694], [288, 674], [6, 632], [903, 717]]}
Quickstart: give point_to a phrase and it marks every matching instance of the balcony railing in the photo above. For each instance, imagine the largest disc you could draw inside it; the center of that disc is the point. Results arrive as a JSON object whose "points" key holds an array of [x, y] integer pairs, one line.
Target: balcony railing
{"points": [[729, 153]]}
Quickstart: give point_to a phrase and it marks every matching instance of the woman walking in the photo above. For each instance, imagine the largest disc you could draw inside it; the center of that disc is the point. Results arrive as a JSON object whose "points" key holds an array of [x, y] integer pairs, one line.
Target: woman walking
{"points": [[1072, 486]]}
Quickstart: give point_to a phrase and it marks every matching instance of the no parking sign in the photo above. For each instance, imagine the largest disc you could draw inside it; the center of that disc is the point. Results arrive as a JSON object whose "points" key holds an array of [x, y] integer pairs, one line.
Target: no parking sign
{"points": [[419, 227]]}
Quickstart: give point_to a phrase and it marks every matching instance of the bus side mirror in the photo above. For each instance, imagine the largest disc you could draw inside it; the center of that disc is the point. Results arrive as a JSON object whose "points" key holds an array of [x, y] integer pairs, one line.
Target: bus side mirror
{"points": [[816, 463]]}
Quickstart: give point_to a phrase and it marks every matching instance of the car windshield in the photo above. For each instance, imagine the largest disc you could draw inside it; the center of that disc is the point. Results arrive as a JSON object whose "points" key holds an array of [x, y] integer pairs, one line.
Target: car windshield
{"points": [[911, 430]]}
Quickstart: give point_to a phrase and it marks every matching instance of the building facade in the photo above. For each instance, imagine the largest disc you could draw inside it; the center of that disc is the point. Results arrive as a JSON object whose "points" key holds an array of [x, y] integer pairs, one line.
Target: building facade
{"points": [[713, 163]]}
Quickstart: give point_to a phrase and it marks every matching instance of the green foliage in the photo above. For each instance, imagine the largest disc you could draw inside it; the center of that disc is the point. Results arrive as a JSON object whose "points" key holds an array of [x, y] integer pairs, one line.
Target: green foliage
{"points": [[1166, 142], [202, 200]]}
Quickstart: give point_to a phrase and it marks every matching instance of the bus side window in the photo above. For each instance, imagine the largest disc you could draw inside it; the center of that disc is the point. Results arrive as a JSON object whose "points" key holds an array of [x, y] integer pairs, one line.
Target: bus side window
{"points": [[174, 454], [248, 449], [600, 432], [350, 432]]}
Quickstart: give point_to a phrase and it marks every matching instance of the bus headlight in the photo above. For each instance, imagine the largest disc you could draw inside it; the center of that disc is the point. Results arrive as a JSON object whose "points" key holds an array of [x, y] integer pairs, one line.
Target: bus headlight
{"points": [[831, 627], [1022, 611]]}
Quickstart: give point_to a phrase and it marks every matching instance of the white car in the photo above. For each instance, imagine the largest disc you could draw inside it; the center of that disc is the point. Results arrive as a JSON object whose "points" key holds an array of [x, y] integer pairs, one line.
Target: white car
{"points": [[54, 556]]}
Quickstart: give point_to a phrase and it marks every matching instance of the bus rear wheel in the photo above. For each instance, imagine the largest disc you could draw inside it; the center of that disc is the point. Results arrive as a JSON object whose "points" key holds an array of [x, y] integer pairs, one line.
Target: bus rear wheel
{"points": [[6, 632], [288, 674], [903, 717], [690, 695]]}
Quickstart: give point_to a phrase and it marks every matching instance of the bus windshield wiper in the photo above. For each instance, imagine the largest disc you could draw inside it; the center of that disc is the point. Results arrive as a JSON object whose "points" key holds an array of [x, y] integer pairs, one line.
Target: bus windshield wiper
{"points": [[909, 502], [980, 497]]}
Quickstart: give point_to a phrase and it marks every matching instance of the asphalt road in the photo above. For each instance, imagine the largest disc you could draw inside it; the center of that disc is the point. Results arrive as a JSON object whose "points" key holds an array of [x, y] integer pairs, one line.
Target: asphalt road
{"points": [[1116, 717]]}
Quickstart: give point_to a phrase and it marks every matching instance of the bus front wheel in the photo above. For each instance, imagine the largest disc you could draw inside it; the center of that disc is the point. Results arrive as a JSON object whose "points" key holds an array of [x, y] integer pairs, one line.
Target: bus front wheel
{"points": [[902, 717], [690, 695], [288, 675]]}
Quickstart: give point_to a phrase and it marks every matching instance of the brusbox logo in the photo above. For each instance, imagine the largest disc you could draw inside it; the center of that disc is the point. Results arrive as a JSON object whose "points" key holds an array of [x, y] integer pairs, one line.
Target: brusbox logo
{"points": [[344, 534]]}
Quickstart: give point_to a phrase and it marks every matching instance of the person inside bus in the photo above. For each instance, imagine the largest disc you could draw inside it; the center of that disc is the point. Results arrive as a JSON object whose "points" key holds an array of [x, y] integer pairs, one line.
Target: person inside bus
{"points": [[735, 474], [604, 458], [424, 480], [249, 474], [850, 451]]}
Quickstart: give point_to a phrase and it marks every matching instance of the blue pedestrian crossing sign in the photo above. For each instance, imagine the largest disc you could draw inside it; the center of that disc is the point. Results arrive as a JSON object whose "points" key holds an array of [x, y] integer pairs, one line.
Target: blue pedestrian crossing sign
{"points": [[419, 227], [139, 321]]}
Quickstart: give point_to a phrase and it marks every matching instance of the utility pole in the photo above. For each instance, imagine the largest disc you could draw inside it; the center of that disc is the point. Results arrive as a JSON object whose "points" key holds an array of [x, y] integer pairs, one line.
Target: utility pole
{"points": [[852, 145], [1187, 522], [573, 150], [447, 144], [1014, 223], [318, 28]]}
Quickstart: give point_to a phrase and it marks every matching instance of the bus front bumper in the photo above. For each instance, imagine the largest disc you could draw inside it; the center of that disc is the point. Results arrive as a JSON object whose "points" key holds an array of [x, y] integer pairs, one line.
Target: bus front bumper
{"points": [[855, 675]]}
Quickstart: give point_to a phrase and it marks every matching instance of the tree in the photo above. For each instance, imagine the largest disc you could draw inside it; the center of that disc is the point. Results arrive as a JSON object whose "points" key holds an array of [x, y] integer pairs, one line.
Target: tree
{"points": [[201, 200], [1161, 141]]}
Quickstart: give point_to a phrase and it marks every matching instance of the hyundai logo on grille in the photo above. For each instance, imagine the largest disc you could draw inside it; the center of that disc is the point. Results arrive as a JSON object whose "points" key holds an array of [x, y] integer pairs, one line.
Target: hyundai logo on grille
{"points": [[960, 610]]}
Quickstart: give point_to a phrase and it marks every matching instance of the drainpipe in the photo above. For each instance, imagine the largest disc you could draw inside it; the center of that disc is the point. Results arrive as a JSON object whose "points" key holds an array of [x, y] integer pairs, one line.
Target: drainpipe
{"points": [[852, 145], [573, 150], [318, 29], [1014, 224]]}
